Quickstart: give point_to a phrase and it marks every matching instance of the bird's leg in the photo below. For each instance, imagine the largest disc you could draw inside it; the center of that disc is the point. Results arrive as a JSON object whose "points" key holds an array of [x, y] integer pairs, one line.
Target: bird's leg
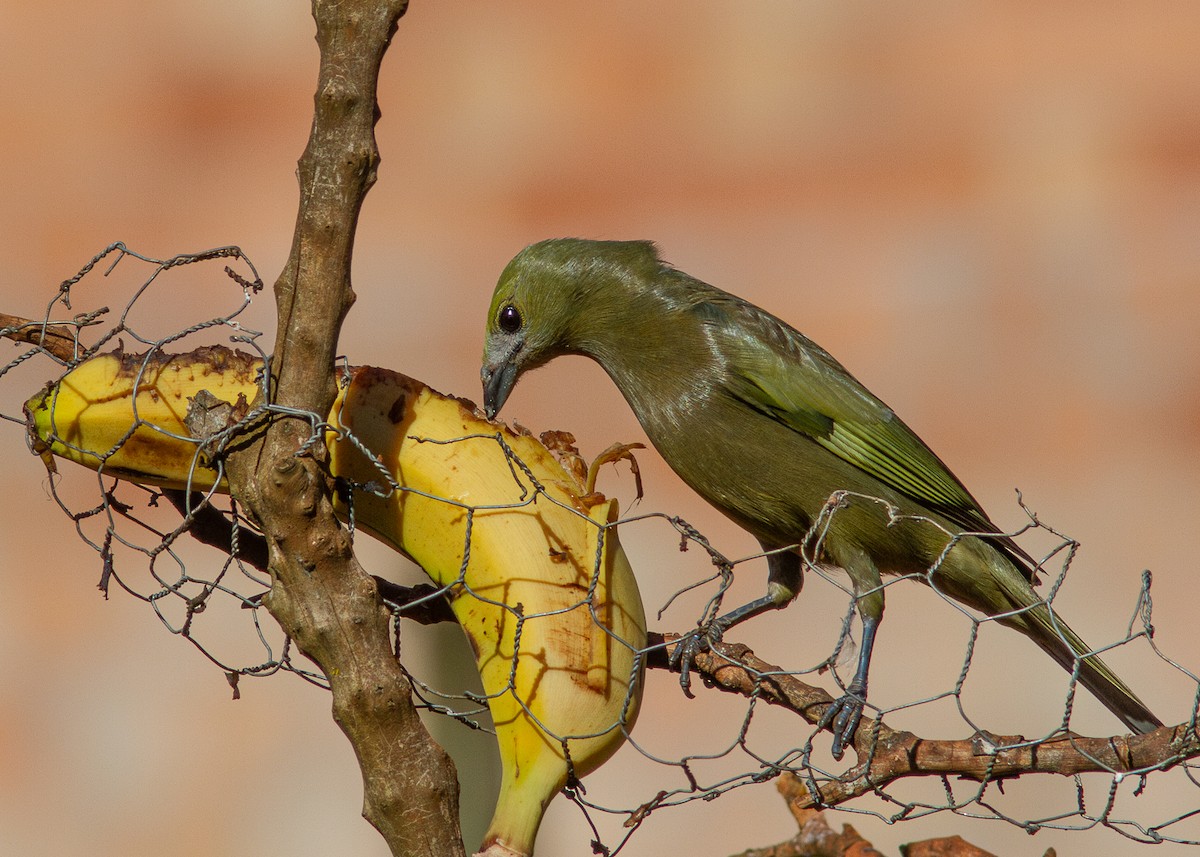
{"points": [[785, 577], [843, 716], [845, 713]]}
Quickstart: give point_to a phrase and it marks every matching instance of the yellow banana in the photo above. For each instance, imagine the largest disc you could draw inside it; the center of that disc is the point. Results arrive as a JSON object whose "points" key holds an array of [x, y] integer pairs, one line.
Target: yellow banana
{"points": [[530, 568], [91, 416], [546, 595]]}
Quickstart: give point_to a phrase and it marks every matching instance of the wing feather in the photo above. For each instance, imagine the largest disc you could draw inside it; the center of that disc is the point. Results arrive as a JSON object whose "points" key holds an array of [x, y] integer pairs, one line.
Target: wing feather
{"points": [[779, 372]]}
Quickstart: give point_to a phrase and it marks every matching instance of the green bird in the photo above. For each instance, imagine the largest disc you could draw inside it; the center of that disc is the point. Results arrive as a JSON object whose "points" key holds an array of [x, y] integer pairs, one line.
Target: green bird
{"points": [[766, 425]]}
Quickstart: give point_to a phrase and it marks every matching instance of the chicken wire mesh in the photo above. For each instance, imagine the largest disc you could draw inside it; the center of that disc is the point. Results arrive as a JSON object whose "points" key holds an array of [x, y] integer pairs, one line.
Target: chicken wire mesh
{"points": [[137, 531]]}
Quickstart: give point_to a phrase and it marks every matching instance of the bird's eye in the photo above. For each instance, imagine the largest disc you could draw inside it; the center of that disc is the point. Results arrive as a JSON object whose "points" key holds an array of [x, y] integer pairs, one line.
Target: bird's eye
{"points": [[510, 319]]}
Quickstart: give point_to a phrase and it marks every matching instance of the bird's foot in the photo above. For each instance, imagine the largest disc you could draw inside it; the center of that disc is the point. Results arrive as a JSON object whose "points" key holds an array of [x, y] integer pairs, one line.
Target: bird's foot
{"points": [[696, 642], [842, 719]]}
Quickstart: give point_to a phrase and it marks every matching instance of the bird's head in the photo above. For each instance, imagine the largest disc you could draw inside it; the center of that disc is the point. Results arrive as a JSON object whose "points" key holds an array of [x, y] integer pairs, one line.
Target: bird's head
{"points": [[555, 297]]}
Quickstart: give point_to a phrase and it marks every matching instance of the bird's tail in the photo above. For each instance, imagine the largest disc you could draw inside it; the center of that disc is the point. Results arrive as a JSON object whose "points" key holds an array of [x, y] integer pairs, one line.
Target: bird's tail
{"points": [[1055, 637]]}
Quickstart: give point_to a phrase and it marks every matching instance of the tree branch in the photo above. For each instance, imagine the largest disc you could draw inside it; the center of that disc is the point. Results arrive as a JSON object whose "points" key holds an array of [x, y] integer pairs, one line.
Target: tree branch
{"points": [[887, 754]]}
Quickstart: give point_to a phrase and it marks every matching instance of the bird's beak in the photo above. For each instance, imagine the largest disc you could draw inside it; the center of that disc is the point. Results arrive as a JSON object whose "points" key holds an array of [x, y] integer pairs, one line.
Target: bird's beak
{"points": [[498, 380]]}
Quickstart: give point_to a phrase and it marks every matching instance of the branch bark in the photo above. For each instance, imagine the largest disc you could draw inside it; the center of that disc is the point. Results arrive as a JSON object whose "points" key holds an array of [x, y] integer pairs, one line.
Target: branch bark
{"points": [[320, 595]]}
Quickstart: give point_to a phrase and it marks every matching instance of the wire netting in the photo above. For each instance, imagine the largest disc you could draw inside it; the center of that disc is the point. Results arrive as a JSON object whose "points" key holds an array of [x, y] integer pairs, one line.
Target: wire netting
{"points": [[137, 530]]}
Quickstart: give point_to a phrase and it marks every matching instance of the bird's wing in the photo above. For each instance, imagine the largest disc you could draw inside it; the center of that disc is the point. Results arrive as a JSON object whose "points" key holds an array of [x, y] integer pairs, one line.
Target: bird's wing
{"points": [[779, 372]]}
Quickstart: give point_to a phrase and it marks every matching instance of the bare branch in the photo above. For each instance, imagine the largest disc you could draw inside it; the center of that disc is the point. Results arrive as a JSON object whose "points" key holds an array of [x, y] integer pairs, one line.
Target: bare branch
{"points": [[320, 595], [886, 755]]}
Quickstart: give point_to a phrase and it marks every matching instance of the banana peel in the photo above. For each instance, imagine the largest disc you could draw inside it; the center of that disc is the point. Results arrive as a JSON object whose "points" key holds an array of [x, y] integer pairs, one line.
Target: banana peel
{"points": [[536, 578]]}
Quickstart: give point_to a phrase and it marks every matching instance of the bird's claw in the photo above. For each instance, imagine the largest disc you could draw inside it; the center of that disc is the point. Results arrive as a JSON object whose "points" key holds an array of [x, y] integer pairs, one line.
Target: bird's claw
{"points": [[842, 719], [688, 648]]}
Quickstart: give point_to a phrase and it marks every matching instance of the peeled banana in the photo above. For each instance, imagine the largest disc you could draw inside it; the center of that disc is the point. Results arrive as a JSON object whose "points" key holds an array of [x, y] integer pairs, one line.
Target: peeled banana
{"points": [[540, 585]]}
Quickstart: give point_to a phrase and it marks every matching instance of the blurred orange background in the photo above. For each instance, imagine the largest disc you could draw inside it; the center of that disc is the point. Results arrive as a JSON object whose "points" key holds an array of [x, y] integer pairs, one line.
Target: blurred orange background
{"points": [[990, 213]]}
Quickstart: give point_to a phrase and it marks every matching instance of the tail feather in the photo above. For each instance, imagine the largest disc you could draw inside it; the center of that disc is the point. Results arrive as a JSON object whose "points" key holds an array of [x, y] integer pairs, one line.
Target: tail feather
{"points": [[1055, 637]]}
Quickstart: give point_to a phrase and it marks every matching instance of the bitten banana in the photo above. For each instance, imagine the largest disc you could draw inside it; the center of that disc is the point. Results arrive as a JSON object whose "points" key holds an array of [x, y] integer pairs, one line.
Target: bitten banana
{"points": [[546, 596], [531, 569]]}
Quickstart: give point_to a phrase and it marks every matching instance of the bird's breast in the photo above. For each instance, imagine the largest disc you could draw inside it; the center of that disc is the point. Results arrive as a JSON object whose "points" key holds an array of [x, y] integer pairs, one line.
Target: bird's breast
{"points": [[745, 465]]}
